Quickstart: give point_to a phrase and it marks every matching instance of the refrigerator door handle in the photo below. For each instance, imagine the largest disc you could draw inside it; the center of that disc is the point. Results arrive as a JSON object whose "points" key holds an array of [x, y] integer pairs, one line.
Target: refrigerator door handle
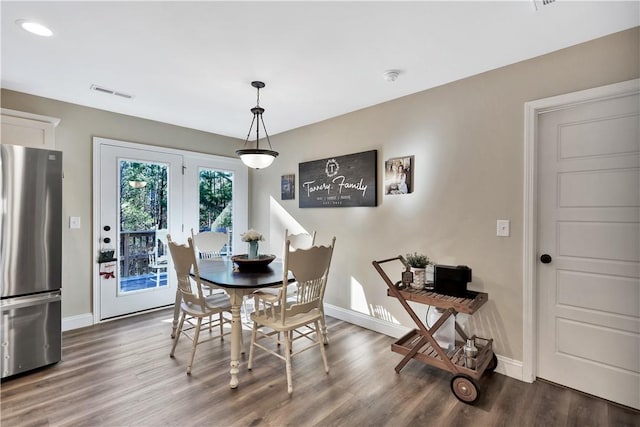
{"points": [[29, 300]]}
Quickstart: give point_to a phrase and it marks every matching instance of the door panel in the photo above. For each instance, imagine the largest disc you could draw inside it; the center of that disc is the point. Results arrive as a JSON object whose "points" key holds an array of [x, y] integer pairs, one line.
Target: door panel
{"points": [[141, 199], [589, 222], [207, 202]]}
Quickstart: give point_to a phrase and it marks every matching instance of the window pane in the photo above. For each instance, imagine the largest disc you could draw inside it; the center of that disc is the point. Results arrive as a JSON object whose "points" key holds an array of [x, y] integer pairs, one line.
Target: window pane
{"points": [[216, 207], [143, 225]]}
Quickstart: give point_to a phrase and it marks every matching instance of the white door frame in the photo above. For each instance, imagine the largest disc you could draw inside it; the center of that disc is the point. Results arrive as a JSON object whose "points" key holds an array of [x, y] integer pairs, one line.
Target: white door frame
{"points": [[240, 199], [531, 111]]}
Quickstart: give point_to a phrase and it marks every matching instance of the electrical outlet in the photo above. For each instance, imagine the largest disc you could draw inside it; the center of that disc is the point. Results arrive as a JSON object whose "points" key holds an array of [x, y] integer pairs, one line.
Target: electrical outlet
{"points": [[503, 228]]}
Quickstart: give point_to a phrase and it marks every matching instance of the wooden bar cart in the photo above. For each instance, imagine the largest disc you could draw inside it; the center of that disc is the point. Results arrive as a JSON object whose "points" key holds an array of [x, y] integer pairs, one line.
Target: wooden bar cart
{"points": [[420, 344]]}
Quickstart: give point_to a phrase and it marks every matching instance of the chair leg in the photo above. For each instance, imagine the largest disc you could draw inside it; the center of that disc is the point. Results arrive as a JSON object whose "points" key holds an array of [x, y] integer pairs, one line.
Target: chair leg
{"points": [[196, 336], [176, 313], [221, 327], [177, 337], [322, 350], [254, 332], [242, 349], [323, 322], [287, 351]]}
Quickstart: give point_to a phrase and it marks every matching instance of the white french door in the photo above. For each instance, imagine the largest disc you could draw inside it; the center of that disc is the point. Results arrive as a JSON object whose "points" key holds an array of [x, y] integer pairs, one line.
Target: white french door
{"points": [[140, 198], [213, 178], [142, 193]]}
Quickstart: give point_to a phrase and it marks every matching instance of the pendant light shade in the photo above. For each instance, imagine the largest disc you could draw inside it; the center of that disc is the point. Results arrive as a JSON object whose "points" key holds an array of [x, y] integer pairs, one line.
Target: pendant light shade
{"points": [[257, 158]]}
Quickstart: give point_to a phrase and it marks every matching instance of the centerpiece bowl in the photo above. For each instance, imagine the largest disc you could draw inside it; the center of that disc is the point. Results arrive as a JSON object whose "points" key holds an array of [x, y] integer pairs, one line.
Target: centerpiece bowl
{"points": [[245, 263]]}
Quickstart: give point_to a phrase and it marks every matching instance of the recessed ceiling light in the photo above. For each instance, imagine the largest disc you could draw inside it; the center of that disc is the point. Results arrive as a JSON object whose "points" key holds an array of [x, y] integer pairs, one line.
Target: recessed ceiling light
{"points": [[34, 27]]}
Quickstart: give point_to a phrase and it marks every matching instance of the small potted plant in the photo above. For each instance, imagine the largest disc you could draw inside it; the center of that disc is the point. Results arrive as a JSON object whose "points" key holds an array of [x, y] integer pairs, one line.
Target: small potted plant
{"points": [[418, 263]]}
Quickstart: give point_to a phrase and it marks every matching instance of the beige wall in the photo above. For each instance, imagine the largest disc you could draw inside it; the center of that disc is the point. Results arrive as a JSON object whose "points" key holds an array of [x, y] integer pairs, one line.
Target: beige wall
{"points": [[74, 135], [467, 139]]}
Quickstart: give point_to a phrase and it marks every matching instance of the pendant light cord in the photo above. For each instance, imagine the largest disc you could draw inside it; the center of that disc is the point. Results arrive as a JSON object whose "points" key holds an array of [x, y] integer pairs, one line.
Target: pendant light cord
{"points": [[257, 111]]}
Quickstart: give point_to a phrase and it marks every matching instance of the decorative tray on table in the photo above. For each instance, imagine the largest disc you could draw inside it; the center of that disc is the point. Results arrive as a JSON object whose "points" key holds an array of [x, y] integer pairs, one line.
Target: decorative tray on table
{"points": [[245, 263]]}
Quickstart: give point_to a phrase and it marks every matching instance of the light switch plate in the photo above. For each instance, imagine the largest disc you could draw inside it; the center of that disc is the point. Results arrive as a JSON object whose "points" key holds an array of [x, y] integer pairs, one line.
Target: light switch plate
{"points": [[503, 228], [74, 222]]}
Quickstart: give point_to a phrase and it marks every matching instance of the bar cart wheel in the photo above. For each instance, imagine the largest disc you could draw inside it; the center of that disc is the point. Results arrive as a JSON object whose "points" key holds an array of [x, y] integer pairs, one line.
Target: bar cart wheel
{"points": [[465, 388], [493, 364]]}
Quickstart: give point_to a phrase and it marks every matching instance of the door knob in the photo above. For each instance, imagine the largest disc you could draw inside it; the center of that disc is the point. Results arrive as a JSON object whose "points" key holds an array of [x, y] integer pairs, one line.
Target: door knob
{"points": [[106, 240], [545, 258]]}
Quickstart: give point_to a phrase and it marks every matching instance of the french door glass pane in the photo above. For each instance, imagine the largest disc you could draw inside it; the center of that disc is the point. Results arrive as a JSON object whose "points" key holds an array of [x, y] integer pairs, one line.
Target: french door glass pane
{"points": [[216, 195], [144, 253]]}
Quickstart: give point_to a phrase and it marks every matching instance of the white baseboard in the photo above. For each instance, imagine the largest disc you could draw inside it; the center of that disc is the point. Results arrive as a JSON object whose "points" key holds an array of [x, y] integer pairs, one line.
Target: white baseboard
{"points": [[509, 367], [366, 321], [76, 322]]}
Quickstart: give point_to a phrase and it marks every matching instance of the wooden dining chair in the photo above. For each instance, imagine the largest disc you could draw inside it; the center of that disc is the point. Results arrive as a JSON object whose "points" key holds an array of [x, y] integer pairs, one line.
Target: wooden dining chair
{"points": [[158, 257], [304, 241], [210, 244], [310, 268], [296, 241], [195, 306], [300, 240]]}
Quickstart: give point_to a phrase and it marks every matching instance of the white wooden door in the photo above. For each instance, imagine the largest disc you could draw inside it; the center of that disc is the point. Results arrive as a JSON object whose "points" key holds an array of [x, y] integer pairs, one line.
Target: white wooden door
{"points": [[589, 224], [134, 285], [197, 169]]}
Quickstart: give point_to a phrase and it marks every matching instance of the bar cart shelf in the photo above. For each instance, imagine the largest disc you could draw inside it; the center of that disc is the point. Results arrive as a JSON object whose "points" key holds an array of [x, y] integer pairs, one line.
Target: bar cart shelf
{"points": [[420, 344]]}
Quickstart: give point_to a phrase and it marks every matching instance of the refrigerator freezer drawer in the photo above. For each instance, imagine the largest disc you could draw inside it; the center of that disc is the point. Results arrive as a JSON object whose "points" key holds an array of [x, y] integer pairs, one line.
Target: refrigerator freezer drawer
{"points": [[30, 332]]}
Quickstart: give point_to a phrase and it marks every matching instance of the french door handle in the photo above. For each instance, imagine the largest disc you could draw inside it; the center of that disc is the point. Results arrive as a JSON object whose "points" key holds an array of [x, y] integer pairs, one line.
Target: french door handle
{"points": [[545, 258]]}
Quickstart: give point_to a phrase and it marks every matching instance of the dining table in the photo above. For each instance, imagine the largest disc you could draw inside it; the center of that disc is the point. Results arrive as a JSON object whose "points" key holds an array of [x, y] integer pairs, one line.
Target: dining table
{"points": [[223, 273]]}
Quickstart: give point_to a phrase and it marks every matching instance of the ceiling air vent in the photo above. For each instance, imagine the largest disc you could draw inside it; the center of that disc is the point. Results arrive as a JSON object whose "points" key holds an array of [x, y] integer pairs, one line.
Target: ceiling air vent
{"points": [[539, 3], [111, 92]]}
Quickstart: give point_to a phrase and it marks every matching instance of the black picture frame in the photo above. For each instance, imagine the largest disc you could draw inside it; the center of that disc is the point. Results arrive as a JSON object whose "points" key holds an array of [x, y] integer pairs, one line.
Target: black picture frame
{"points": [[288, 187]]}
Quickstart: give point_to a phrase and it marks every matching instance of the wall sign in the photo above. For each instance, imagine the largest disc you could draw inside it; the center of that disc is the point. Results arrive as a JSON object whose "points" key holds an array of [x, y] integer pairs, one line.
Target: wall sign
{"points": [[339, 182]]}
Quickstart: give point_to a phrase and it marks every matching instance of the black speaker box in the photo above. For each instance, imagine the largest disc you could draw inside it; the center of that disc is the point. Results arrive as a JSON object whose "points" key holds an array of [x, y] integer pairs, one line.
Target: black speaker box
{"points": [[451, 280]]}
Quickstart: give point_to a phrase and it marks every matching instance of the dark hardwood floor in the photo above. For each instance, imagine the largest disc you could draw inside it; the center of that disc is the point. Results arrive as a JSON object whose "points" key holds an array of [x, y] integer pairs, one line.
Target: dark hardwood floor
{"points": [[120, 374]]}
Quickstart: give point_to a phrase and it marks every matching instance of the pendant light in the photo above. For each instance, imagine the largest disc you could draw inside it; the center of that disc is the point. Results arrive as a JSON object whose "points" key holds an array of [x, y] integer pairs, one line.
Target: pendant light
{"points": [[257, 158]]}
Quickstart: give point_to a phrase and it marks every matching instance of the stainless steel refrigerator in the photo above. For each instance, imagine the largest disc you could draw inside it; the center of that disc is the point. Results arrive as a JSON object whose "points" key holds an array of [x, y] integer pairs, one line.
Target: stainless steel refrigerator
{"points": [[30, 258]]}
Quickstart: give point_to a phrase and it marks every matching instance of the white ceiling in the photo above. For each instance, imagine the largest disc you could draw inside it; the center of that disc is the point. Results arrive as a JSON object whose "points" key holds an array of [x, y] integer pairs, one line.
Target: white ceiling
{"points": [[191, 63]]}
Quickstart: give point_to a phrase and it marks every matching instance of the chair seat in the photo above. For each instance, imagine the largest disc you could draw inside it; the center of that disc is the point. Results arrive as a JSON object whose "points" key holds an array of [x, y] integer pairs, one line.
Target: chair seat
{"points": [[273, 294], [218, 300], [214, 304], [292, 322]]}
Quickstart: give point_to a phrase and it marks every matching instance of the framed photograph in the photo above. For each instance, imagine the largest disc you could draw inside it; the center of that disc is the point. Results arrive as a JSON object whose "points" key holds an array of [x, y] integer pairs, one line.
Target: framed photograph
{"points": [[288, 187], [339, 182], [398, 175]]}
